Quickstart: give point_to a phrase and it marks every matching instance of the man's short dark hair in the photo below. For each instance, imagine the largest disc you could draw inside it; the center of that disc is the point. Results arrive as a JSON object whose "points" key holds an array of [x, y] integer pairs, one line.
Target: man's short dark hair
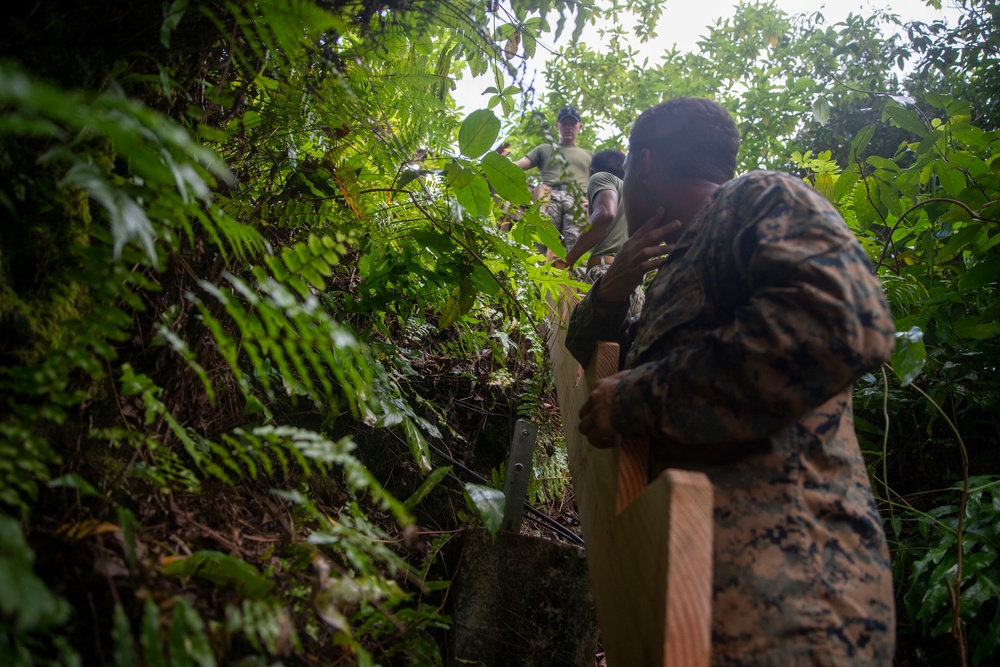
{"points": [[610, 160], [691, 137]]}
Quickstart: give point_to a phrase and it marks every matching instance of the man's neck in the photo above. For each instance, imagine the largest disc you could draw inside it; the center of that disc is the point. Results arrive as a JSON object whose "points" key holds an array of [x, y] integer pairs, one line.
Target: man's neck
{"points": [[570, 143], [692, 195]]}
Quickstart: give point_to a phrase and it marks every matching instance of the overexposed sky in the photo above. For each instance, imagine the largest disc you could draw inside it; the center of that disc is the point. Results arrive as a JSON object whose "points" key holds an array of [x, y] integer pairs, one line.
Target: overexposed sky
{"points": [[684, 22]]}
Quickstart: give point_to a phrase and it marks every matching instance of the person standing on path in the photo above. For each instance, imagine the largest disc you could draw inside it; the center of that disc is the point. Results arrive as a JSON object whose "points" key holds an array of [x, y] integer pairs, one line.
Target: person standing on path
{"points": [[763, 312], [564, 169]]}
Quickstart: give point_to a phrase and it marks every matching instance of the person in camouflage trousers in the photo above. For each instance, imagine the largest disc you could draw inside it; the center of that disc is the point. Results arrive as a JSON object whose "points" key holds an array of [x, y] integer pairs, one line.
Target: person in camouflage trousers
{"points": [[763, 313], [564, 170]]}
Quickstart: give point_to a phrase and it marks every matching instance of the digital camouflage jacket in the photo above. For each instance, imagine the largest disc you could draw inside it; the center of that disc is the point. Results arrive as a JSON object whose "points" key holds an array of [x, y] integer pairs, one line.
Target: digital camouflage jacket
{"points": [[742, 362]]}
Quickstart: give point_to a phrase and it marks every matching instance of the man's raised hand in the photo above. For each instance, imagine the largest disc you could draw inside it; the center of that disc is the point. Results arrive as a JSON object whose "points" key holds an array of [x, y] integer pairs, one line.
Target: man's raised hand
{"points": [[643, 252]]}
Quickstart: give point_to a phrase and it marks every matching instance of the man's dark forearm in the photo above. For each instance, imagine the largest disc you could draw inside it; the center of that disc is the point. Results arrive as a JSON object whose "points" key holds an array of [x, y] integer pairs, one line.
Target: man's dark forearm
{"points": [[594, 321]]}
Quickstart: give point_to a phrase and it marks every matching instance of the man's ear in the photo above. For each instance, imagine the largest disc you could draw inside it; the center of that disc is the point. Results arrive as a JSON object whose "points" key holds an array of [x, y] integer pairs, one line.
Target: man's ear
{"points": [[646, 164]]}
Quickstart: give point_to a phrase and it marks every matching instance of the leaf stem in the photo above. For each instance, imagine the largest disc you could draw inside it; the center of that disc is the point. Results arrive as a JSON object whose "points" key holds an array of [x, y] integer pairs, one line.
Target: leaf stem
{"points": [[955, 589]]}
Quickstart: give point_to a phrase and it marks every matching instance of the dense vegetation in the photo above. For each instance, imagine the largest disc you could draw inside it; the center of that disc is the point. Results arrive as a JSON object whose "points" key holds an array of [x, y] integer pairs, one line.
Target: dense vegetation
{"points": [[263, 293]]}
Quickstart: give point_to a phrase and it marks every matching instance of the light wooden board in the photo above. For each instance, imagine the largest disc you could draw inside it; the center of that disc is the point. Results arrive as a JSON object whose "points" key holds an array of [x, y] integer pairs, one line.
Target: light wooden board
{"points": [[649, 546]]}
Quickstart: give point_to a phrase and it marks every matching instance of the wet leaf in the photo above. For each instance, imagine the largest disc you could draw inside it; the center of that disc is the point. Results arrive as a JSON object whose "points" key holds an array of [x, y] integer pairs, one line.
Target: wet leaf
{"points": [[478, 132], [506, 178], [488, 502], [429, 484], [909, 357], [821, 110], [222, 570]]}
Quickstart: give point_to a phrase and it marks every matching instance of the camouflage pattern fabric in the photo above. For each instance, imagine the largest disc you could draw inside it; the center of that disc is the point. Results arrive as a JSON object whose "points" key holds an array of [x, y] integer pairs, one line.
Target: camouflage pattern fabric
{"points": [[742, 361], [566, 215], [636, 300]]}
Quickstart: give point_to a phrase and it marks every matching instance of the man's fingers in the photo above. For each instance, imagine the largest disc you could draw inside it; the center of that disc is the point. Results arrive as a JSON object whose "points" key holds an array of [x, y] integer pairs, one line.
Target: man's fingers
{"points": [[650, 236], [655, 251], [651, 225], [667, 232]]}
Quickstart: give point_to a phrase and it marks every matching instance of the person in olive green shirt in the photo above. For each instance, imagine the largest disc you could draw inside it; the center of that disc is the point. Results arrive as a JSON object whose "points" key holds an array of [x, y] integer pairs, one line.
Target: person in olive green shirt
{"points": [[608, 229], [564, 169]]}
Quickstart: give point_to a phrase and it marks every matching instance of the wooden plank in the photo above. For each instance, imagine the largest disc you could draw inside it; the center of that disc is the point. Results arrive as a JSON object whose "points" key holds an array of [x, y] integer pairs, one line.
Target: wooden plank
{"points": [[649, 546], [633, 470]]}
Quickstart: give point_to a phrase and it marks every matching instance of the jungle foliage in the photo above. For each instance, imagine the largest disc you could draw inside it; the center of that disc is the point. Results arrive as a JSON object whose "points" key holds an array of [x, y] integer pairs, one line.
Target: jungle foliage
{"points": [[257, 276]]}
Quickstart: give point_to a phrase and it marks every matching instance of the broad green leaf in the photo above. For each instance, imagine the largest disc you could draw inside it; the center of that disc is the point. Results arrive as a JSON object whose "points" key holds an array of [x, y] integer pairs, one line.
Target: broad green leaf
{"points": [[821, 110], [458, 175], [957, 243], [502, 32], [958, 108], [459, 303], [478, 132], [74, 481], [209, 133], [222, 570], [436, 241], [507, 104], [537, 24], [824, 184], [905, 118], [451, 310], [866, 426], [909, 357], [506, 178], [172, 16], [530, 45], [937, 99], [882, 163], [860, 142], [484, 281], [152, 649], [974, 328], [533, 228], [407, 177], [985, 272], [430, 482], [845, 183], [186, 638], [929, 142], [952, 180], [24, 598], [466, 296], [863, 209], [488, 502], [121, 637], [475, 196]]}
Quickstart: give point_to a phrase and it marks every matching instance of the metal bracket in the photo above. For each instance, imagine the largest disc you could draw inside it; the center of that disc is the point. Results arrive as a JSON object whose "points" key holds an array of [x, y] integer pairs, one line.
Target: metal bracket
{"points": [[515, 486]]}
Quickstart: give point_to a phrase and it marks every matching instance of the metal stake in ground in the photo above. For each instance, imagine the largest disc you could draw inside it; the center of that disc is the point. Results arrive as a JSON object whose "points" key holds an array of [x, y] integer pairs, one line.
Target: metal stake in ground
{"points": [[515, 486]]}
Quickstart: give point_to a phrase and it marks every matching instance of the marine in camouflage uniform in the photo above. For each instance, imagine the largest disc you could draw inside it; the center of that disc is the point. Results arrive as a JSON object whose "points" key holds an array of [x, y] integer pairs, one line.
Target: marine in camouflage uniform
{"points": [[763, 314]]}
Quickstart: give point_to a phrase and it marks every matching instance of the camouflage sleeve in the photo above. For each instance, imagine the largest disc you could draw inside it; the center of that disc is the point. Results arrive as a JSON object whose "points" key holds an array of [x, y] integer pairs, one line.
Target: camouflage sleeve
{"points": [[815, 320], [593, 321]]}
